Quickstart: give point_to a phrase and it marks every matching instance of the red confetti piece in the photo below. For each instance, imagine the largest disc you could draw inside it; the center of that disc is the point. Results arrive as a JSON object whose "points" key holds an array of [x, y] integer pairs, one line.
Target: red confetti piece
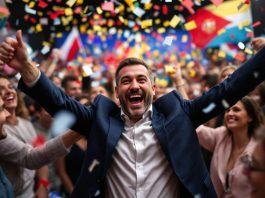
{"points": [[38, 141], [247, 2], [240, 57], [250, 35], [42, 4], [258, 23], [165, 9], [32, 20]]}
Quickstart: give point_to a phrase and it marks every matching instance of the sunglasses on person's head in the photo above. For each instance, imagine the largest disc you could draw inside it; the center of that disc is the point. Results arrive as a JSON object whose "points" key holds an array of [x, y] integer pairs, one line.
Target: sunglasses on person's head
{"points": [[250, 164]]}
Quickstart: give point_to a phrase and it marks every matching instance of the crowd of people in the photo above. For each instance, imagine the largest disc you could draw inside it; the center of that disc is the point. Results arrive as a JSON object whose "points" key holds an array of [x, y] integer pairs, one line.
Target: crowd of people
{"points": [[141, 130]]}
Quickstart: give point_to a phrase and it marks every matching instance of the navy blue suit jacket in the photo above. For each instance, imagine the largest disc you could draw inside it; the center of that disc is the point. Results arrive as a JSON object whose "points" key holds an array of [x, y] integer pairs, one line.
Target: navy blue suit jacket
{"points": [[174, 122]]}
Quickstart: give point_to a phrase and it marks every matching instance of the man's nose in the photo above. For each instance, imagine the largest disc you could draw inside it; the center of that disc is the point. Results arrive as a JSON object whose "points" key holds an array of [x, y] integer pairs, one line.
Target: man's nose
{"points": [[134, 84]]}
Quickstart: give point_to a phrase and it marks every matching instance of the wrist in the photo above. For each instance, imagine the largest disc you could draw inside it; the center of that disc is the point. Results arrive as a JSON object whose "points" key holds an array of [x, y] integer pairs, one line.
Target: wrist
{"points": [[30, 72], [180, 84], [43, 182]]}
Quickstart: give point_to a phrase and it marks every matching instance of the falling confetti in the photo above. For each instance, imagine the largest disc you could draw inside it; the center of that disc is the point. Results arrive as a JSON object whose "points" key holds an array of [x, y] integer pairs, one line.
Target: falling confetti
{"points": [[209, 108], [92, 166]]}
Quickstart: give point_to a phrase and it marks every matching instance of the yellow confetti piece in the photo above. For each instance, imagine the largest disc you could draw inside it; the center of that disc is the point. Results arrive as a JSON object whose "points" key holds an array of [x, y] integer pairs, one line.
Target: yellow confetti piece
{"points": [[31, 4], [221, 31], [40, 14], [221, 54], [68, 11], [166, 23], [161, 82], [83, 28], [121, 19], [156, 53], [99, 11], [119, 9], [146, 23], [172, 58], [192, 73], [125, 22], [190, 64], [38, 28], [96, 27], [96, 17], [190, 25], [157, 21], [184, 38], [70, 3], [26, 1], [148, 6], [79, 2], [246, 23], [59, 35], [110, 23], [248, 51], [169, 69], [174, 21], [130, 3], [161, 30], [148, 30]]}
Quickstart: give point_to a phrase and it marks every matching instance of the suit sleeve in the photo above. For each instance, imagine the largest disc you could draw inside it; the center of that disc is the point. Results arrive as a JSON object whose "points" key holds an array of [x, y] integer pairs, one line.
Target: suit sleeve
{"points": [[53, 100], [224, 95]]}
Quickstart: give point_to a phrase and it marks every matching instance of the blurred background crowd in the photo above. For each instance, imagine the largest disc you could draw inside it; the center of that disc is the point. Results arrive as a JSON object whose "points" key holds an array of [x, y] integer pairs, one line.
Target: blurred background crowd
{"points": [[79, 44]]}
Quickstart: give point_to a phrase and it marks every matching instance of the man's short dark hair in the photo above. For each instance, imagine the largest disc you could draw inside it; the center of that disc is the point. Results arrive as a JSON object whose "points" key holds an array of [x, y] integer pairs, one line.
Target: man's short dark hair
{"points": [[67, 79], [132, 61]]}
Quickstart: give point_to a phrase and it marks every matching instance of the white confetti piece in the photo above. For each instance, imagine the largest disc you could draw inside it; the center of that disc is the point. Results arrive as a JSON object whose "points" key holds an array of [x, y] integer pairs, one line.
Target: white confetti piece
{"points": [[97, 193], [44, 21], [256, 74], [225, 104], [145, 1], [168, 40], [29, 10], [139, 12], [63, 120], [87, 68], [93, 165], [45, 49], [209, 108], [57, 21]]}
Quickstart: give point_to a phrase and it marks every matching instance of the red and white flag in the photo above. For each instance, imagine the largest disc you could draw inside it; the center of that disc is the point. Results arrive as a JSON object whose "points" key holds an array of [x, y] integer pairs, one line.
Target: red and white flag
{"points": [[71, 45]]}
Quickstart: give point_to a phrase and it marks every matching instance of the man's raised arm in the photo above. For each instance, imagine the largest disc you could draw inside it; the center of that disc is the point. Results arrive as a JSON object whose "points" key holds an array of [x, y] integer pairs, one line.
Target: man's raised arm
{"points": [[13, 52]]}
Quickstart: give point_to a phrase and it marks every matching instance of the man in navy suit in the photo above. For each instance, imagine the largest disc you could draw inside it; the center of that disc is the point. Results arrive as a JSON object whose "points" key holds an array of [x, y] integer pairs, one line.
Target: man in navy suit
{"points": [[142, 149]]}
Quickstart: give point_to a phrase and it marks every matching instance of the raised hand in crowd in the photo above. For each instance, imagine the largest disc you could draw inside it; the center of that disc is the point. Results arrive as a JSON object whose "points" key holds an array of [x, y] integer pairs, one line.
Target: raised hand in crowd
{"points": [[175, 73], [13, 51], [258, 43]]}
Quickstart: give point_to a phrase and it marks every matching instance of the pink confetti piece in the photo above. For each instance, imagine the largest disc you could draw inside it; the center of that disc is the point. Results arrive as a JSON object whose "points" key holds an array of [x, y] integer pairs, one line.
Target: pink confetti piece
{"points": [[188, 4], [217, 2], [107, 6]]}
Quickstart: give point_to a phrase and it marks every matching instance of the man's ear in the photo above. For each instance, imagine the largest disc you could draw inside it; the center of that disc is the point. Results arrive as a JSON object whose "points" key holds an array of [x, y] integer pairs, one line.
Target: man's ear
{"points": [[154, 89], [116, 92]]}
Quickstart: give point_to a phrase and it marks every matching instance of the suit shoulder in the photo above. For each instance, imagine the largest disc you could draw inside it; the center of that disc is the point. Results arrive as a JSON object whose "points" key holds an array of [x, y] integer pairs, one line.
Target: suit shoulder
{"points": [[170, 102]]}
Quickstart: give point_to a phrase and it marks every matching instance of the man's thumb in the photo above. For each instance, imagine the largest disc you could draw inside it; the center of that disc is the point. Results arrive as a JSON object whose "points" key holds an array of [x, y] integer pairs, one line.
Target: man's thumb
{"points": [[19, 38]]}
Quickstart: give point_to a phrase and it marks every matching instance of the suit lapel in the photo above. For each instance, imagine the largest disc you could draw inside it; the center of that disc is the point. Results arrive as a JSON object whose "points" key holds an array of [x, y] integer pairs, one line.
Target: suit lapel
{"points": [[116, 127], [158, 126]]}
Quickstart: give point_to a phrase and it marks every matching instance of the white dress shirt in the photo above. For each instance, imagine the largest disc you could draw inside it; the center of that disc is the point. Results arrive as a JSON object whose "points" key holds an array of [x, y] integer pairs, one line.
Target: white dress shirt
{"points": [[140, 167]]}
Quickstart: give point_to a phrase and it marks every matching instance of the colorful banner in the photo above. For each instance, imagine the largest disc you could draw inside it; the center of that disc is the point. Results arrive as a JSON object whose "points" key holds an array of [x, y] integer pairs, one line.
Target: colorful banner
{"points": [[229, 22]]}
